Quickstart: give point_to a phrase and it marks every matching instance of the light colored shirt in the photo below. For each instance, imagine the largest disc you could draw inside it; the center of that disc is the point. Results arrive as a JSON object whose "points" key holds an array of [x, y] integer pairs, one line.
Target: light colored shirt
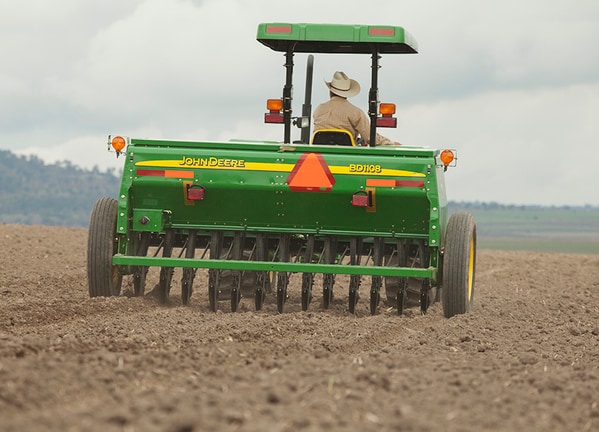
{"points": [[339, 113]]}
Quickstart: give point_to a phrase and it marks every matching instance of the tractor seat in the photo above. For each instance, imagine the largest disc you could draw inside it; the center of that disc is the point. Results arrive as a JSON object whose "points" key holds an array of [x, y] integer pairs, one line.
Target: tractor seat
{"points": [[333, 137]]}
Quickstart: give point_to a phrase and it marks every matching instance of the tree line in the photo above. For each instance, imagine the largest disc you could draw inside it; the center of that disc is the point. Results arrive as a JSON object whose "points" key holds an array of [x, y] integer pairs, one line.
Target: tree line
{"points": [[61, 194]]}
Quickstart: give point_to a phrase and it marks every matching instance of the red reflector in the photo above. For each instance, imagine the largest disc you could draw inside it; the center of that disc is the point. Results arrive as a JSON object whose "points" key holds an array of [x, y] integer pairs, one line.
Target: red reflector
{"points": [[164, 173], [381, 31], [278, 29], [359, 200], [410, 183], [146, 172], [394, 183], [195, 193], [380, 183], [178, 174], [274, 118], [390, 122]]}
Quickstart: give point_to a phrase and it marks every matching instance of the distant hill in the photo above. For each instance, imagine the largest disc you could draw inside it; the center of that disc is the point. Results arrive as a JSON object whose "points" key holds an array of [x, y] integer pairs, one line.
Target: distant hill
{"points": [[61, 194]]}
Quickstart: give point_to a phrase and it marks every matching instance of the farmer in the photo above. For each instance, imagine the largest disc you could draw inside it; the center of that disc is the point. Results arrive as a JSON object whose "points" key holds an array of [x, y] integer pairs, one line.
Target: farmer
{"points": [[339, 113]]}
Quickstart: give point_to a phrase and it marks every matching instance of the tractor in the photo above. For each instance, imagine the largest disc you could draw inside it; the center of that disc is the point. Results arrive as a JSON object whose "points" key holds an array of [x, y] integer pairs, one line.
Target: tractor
{"points": [[255, 213]]}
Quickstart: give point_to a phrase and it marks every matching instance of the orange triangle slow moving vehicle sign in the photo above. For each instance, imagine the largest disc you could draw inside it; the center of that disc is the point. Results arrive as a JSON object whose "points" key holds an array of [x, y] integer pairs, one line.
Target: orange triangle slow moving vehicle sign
{"points": [[311, 174]]}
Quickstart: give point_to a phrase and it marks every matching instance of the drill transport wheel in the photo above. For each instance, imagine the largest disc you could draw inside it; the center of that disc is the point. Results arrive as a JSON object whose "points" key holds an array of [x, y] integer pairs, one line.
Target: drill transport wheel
{"points": [[459, 265], [104, 279]]}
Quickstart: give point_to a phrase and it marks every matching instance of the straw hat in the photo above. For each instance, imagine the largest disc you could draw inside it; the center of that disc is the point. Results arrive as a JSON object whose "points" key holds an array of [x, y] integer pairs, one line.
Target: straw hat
{"points": [[343, 86]]}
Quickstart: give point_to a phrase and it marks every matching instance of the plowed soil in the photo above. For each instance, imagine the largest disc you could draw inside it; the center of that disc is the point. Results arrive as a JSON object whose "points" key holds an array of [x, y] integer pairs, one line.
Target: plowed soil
{"points": [[526, 358]]}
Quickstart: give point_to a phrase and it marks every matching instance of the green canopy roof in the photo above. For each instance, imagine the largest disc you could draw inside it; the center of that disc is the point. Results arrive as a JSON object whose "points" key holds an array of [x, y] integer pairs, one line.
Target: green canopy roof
{"points": [[336, 38]]}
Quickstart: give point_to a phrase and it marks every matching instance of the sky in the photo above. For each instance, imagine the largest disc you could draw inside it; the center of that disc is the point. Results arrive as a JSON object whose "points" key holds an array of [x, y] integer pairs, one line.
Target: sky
{"points": [[512, 85]]}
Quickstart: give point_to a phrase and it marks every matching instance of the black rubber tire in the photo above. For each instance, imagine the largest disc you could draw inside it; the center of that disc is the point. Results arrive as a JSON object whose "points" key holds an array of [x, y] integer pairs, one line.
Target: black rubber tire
{"points": [[104, 279], [402, 299], [307, 283], [354, 280], [354, 296], [166, 273], [394, 285], [459, 265], [307, 278], [262, 277], [216, 239], [377, 281], [140, 273], [330, 256], [188, 273], [283, 277]]}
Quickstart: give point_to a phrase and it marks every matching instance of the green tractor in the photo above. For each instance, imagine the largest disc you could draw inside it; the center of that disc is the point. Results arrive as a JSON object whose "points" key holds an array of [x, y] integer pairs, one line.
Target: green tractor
{"points": [[255, 213]]}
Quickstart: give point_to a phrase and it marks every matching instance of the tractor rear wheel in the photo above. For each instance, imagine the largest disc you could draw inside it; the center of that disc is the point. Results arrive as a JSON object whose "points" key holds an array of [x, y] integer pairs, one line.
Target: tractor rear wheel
{"points": [[104, 279], [459, 264]]}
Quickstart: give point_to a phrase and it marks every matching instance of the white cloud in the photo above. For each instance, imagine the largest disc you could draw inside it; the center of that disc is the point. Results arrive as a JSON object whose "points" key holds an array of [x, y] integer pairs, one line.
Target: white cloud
{"points": [[76, 150], [517, 147], [511, 75]]}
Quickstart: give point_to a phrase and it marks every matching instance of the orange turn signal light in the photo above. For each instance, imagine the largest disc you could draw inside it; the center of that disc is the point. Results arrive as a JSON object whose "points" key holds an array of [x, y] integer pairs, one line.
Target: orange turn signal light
{"points": [[387, 109], [118, 143], [274, 104], [447, 157]]}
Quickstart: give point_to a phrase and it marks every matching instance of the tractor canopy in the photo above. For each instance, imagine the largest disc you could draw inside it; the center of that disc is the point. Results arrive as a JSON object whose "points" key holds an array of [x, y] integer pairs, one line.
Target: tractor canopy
{"points": [[336, 38]]}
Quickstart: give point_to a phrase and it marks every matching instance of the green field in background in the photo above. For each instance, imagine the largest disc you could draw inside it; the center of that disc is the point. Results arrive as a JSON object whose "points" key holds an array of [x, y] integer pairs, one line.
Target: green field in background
{"points": [[543, 229], [538, 245]]}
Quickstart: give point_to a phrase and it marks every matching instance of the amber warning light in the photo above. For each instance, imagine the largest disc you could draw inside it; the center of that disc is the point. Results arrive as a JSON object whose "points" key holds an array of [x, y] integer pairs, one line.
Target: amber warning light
{"points": [[274, 114], [386, 120], [118, 143], [447, 157]]}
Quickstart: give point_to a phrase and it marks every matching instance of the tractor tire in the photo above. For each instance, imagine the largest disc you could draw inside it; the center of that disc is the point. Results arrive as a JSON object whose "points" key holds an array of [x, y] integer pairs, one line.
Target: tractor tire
{"points": [[459, 264], [104, 279]]}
